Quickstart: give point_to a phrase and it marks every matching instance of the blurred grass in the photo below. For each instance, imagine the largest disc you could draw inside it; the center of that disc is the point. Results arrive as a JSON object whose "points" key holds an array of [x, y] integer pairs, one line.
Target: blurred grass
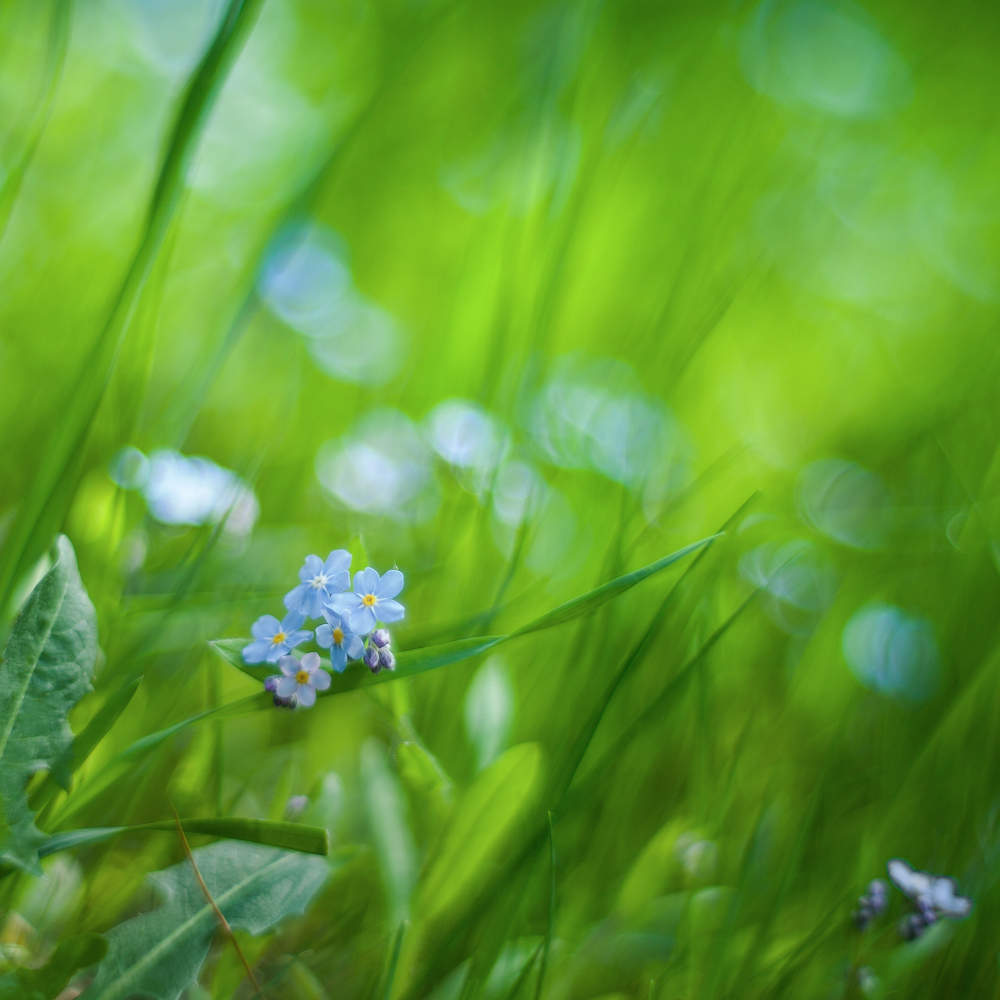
{"points": [[782, 217]]}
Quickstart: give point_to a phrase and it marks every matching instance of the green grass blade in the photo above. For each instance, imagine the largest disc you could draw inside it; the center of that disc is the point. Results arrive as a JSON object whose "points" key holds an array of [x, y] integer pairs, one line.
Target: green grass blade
{"points": [[587, 603], [390, 975], [50, 494], [272, 833], [417, 661], [120, 764], [59, 30], [95, 731]]}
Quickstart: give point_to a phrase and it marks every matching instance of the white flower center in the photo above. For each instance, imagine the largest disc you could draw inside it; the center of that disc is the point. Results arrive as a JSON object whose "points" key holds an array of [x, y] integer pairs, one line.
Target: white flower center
{"points": [[318, 582]]}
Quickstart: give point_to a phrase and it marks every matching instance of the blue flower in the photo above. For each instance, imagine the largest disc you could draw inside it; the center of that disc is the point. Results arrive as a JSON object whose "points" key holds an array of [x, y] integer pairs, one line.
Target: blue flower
{"points": [[302, 679], [320, 581], [275, 639], [343, 644], [371, 600]]}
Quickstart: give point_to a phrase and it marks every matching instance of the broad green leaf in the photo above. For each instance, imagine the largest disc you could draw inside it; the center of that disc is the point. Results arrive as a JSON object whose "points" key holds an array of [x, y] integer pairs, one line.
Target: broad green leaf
{"points": [[51, 979], [47, 668], [416, 661], [273, 833], [158, 954]]}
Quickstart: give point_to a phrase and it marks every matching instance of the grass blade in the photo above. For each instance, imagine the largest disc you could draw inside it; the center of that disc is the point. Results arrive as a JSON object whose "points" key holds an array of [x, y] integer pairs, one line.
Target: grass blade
{"points": [[272, 833], [49, 496]]}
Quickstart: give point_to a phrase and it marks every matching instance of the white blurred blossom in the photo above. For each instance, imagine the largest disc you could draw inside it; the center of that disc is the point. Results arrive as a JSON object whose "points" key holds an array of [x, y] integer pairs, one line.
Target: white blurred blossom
{"points": [[381, 466]]}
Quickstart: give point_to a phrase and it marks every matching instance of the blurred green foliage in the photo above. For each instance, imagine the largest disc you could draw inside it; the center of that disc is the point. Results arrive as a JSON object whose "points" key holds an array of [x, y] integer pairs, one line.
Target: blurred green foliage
{"points": [[518, 298]]}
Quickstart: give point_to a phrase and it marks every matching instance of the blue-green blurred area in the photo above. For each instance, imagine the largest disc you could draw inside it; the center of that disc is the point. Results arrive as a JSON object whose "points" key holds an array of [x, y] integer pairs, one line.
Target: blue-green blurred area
{"points": [[517, 298]]}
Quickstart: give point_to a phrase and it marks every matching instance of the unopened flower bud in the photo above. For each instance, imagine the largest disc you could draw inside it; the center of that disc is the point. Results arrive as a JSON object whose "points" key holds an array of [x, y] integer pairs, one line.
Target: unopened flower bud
{"points": [[386, 658], [271, 683], [371, 659], [878, 896], [381, 637], [296, 806]]}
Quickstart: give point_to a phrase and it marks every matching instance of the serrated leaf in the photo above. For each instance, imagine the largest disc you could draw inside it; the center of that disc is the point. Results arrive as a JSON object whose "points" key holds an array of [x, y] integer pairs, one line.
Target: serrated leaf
{"points": [[272, 833], [50, 980], [416, 661], [47, 668], [158, 954]]}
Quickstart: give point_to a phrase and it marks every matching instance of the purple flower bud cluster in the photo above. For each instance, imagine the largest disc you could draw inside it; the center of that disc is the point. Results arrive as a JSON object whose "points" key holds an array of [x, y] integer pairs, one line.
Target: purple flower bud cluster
{"points": [[871, 905], [271, 685], [378, 654], [914, 924]]}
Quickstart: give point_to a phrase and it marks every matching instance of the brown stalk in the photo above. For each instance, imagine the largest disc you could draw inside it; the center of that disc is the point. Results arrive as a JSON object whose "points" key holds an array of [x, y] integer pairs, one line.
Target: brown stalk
{"points": [[223, 923]]}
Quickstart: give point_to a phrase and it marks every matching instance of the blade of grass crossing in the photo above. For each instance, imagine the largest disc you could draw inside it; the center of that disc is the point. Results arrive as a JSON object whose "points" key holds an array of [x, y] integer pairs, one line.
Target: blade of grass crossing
{"points": [[552, 913], [390, 973], [55, 59], [271, 833], [45, 506]]}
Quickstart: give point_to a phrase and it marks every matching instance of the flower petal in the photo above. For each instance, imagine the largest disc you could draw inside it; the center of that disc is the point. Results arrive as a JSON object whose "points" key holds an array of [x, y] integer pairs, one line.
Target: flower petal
{"points": [[298, 637], [306, 696], [362, 620], [310, 662], [338, 659], [286, 687], [338, 561], [319, 679], [276, 651], [389, 611], [313, 567], [338, 581], [292, 621], [324, 636], [345, 603], [366, 581], [297, 599], [390, 584], [288, 665], [354, 647], [332, 618], [265, 626], [257, 651]]}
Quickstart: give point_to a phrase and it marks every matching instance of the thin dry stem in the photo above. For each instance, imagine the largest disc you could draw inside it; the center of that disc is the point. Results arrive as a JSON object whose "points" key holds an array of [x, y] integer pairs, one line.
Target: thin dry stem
{"points": [[223, 923]]}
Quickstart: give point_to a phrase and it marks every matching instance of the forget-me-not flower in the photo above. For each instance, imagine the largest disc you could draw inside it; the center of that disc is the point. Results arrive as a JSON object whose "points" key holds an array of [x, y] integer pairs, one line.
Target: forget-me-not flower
{"points": [[276, 639], [302, 678], [320, 581], [343, 644], [371, 600]]}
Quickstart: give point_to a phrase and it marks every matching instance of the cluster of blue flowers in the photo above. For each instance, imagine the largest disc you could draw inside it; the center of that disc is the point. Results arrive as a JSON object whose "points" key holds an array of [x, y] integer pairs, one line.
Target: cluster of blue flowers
{"points": [[350, 628]]}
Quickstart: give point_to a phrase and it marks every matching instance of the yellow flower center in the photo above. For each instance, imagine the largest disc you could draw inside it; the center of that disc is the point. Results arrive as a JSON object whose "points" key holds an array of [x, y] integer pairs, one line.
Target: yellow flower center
{"points": [[368, 600], [278, 637], [338, 636], [302, 676]]}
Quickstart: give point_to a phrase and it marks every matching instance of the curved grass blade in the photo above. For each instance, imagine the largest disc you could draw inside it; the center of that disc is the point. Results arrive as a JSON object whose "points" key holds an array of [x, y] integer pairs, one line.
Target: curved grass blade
{"points": [[62, 17], [95, 731], [593, 599], [271, 833], [120, 764], [45, 506], [416, 661], [393, 961]]}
